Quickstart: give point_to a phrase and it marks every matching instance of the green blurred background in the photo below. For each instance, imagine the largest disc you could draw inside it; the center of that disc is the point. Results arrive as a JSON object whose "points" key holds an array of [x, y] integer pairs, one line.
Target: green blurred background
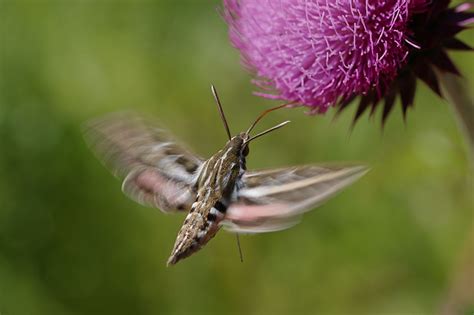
{"points": [[71, 243]]}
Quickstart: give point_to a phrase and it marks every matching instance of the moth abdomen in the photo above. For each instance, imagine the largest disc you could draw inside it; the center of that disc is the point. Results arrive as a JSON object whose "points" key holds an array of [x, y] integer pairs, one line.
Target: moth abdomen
{"points": [[198, 228]]}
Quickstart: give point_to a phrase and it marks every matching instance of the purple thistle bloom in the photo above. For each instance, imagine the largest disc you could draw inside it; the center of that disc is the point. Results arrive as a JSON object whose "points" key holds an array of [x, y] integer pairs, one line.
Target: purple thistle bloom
{"points": [[321, 53]]}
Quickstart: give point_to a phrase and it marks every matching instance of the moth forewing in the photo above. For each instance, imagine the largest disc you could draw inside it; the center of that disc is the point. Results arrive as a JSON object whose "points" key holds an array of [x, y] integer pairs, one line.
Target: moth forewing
{"points": [[273, 200], [156, 170]]}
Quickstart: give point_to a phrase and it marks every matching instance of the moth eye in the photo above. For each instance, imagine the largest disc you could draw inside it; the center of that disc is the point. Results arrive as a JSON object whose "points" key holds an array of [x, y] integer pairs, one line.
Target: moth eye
{"points": [[245, 151]]}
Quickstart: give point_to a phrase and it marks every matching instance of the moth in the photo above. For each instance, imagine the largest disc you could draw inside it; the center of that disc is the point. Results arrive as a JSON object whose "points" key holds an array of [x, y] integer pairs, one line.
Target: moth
{"points": [[157, 171]]}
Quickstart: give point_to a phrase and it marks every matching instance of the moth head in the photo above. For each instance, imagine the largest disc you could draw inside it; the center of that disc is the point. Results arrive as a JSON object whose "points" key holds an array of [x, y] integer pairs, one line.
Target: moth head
{"points": [[244, 149], [239, 144]]}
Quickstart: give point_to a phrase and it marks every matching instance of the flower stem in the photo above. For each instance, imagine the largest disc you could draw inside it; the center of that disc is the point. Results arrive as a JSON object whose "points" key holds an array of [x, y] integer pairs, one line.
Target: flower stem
{"points": [[460, 294], [455, 90]]}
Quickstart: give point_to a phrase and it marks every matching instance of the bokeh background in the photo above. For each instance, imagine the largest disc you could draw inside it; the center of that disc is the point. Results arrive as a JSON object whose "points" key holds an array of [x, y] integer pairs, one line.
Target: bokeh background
{"points": [[71, 243]]}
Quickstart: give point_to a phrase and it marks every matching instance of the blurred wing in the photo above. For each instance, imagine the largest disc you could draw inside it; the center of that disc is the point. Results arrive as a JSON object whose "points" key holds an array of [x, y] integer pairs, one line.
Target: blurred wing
{"points": [[156, 170], [272, 200]]}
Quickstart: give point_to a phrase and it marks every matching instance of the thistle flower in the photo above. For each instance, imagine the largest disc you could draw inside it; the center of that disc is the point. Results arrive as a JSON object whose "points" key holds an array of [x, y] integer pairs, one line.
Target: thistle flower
{"points": [[320, 53]]}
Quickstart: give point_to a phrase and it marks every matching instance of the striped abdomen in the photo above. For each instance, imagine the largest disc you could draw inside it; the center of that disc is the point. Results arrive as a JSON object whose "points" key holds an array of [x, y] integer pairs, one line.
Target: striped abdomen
{"points": [[200, 225]]}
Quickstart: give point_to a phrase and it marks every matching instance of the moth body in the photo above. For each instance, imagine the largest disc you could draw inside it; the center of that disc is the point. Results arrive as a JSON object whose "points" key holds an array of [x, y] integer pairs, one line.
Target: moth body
{"points": [[217, 187], [157, 171]]}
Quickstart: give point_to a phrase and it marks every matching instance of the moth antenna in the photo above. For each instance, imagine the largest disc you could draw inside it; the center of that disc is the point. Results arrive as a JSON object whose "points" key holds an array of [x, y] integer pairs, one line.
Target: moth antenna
{"points": [[221, 111], [266, 112], [240, 249], [267, 131]]}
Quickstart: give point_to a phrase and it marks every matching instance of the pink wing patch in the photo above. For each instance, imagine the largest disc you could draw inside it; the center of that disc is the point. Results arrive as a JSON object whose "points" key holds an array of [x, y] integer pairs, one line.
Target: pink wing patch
{"points": [[263, 218], [251, 213], [150, 188]]}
